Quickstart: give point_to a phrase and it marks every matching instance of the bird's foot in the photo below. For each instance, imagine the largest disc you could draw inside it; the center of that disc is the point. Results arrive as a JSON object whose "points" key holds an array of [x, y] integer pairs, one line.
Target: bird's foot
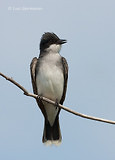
{"points": [[39, 98], [56, 103]]}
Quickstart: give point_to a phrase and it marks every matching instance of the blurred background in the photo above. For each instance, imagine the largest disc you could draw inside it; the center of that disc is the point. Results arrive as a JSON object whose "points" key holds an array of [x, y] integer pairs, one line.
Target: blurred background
{"points": [[89, 27]]}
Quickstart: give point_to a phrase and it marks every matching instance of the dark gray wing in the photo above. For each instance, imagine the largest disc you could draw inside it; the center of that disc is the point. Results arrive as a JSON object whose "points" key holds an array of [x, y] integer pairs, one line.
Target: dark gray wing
{"points": [[65, 71], [32, 71], [33, 79]]}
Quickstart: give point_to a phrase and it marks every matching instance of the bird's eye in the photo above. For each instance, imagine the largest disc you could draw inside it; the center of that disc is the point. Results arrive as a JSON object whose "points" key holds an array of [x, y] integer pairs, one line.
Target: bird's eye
{"points": [[45, 41]]}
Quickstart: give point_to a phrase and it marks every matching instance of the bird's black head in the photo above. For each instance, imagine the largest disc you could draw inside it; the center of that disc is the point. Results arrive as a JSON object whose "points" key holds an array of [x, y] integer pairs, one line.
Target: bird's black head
{"points": [[49, 39]]}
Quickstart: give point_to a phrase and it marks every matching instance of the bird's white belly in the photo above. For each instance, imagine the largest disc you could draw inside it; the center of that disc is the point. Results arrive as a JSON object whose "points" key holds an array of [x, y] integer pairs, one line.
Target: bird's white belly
{"points": [[50, 83]]}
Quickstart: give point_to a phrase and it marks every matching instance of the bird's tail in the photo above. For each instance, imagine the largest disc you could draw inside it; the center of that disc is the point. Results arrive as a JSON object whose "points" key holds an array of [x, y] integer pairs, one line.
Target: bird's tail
{"points": [[52, 134]]}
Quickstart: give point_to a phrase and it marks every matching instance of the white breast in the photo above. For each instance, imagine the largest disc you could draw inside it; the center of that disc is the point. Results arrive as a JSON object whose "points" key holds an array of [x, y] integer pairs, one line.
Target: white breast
{"points": [[50, 83]]}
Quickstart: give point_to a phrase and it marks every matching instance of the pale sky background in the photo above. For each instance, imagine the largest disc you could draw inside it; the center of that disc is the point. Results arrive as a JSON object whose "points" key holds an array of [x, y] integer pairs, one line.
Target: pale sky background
{"points": [[89, 27]]}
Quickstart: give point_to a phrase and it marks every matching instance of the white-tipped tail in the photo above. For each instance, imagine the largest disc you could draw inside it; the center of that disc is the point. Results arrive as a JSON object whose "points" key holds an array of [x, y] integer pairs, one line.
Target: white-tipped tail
{"points": [[52, 134], [51, 142]]}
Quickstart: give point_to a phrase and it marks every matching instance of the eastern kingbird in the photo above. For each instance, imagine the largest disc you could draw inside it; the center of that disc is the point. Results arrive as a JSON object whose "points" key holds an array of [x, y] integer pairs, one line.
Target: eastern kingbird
{"points": [[49, 74]]}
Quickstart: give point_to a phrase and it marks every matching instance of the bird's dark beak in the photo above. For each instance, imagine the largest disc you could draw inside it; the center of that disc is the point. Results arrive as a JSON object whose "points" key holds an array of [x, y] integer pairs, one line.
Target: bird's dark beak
{"points": [[62, 41]]}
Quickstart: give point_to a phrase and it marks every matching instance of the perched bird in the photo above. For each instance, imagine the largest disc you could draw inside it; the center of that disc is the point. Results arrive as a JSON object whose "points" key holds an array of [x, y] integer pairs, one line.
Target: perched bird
{"points": [[49, 75]]}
